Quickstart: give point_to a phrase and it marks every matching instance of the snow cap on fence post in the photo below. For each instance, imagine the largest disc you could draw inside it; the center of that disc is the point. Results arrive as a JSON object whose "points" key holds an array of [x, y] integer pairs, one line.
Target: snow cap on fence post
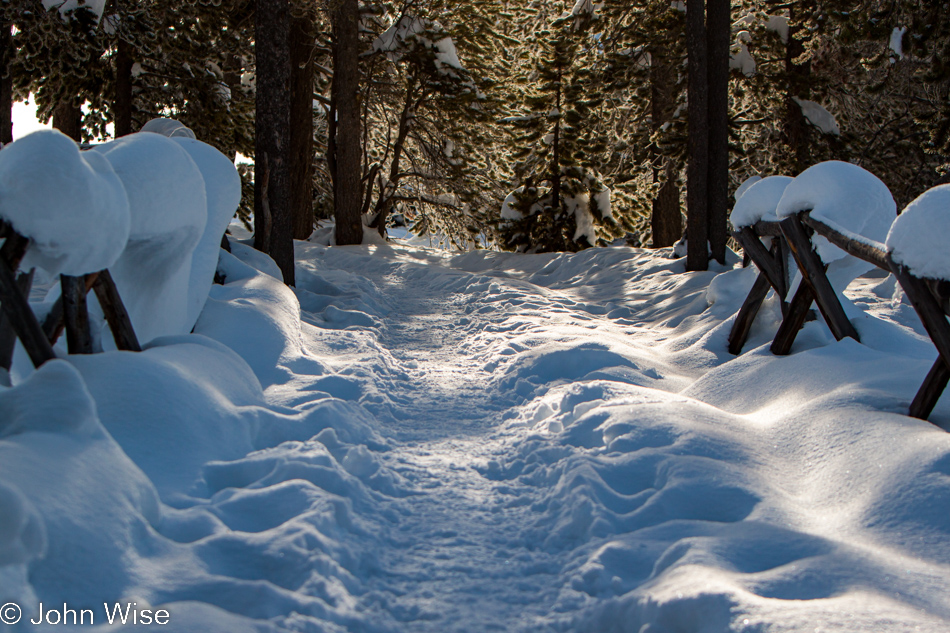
{"points": [[918, 237], [847, 198], [168, 212], [70, 204]]}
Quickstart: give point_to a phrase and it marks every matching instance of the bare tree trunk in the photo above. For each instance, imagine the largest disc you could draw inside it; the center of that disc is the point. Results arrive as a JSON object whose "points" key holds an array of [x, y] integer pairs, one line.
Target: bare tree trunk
{"points": [[666, 221], [697, 169], [799, 77], [718, 34], [67, 118], [345, 15], [301, 123], [273, 227], [6, 82], [123, 89]]}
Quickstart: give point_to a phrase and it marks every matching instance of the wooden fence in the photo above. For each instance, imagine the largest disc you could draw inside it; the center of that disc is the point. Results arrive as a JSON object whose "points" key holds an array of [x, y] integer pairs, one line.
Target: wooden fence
{"points": [[930, 297]]}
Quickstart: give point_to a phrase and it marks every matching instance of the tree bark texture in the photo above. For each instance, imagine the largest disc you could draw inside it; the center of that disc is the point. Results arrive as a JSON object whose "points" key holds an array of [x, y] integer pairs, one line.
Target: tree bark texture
{"points": [[6, 83], [799, 77], [666, 220], [273, 226], [718, 35], [67, 118], [697, 169], [301, 125], [123, 89], [345, 15]]}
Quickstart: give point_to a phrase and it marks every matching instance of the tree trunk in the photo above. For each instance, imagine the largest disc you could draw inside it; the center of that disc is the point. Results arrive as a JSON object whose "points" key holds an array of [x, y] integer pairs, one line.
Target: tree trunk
{"points": [[6, 82], [799, 77], [301, 123], [697, 169], [123, 89], [666, 221], [67, 118], [718, 34], [345, 16], [273, 228]]}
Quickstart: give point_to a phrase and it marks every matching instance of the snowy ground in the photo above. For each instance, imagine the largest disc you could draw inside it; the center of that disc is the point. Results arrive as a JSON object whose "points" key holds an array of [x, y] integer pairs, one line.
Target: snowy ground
{"points": [[418, 441]]}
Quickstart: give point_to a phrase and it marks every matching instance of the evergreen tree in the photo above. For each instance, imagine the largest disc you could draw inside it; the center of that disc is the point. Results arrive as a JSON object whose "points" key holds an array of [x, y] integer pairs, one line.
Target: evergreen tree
{"points": [[561, 202]]}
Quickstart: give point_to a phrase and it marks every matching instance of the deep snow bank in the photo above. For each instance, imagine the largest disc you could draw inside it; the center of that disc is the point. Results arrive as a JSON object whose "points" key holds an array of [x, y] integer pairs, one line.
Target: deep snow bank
{"points": [[413, 441]]}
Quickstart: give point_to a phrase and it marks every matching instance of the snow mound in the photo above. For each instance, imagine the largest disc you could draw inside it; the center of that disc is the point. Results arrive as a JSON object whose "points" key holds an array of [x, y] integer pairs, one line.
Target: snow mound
{"points": [[918, 237], [168, 127], [70, 204], [748, 182], [223, 193], [169, 214], [845, 197], [759, 201]]}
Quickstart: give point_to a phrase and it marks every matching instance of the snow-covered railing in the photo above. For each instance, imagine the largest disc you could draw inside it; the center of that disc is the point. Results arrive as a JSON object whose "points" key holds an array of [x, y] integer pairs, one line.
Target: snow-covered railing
{"points": [[854, 220], [143, 215]]}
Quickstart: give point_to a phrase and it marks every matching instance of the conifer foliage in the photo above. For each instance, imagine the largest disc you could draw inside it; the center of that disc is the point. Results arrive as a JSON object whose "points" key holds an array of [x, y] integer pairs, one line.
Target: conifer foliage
{"points": [[561, 202]]}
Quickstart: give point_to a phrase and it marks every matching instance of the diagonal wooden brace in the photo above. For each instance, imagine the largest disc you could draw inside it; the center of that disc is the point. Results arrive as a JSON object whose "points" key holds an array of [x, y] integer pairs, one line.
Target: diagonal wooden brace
{"points": [[116, 314], [813, 275], [794, 320], [17, 309], [7, 335], [76, 314], [772, 274], [935, 322]]}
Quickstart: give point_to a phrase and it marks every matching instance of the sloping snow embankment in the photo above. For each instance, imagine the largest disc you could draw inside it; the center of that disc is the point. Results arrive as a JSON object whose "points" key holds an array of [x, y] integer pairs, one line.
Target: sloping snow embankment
{"points": [[417, 442]]}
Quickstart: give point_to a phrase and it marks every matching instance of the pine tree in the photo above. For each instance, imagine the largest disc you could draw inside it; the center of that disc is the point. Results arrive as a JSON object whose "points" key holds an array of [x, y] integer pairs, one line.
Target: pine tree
{"points": [[561, 202], [644, 85], [422, 106]]}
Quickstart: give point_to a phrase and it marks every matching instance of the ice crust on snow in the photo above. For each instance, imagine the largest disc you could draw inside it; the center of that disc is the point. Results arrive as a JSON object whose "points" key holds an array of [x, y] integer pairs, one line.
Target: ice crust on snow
{"points": [[918, 237], [758, 201], [169, 214], [71, 205]]}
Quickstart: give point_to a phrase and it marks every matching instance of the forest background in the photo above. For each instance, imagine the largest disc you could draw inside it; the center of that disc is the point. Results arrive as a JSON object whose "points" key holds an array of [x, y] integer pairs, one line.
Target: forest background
{"points": [[522, 125]]}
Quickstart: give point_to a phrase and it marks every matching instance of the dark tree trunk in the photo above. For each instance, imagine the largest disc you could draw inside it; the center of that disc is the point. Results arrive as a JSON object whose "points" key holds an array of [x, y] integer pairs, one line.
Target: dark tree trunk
{"points": [[6, 82], [301, 124], [67, 118], [697, 169], [666, 221], [273, 227], [799, 78], [718, 34], [123, 89], [345, 16]]}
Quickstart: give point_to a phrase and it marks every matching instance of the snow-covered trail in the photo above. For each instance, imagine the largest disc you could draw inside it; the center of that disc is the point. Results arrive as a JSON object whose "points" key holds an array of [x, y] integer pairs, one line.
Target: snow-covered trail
{"points": [[416, 442], [458, 560]]}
